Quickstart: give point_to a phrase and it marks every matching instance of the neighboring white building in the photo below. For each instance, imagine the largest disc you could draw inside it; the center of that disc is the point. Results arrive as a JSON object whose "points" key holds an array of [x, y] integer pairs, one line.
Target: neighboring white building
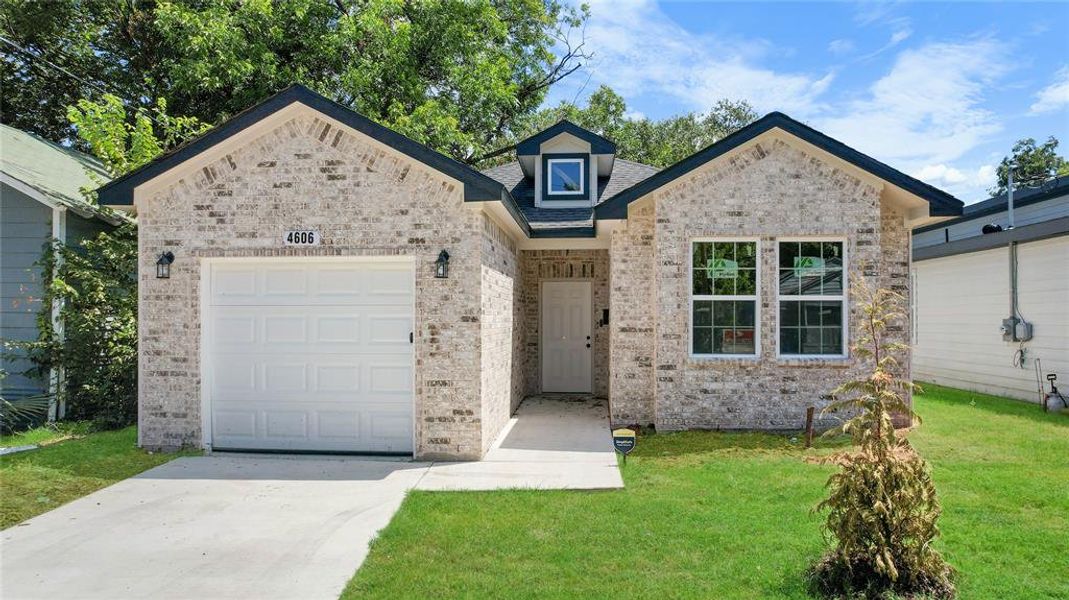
{"points": [[963, 294]]}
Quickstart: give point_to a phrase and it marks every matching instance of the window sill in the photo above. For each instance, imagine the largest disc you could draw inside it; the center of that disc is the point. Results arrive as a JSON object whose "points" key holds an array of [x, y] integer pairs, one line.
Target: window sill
{"points": [[841, 362]]}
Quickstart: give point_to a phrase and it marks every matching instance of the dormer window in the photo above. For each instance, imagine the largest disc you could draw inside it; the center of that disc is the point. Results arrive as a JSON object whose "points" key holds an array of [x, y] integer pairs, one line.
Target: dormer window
{"points": [[566, 176]]}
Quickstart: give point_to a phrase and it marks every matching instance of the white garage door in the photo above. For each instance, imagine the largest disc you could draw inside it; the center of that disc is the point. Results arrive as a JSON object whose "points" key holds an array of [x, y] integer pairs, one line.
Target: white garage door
{"points": [[310, 355]]}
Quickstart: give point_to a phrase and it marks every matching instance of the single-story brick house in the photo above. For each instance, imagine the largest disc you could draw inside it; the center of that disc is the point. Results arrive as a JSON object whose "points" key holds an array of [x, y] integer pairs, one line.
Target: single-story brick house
{"points": [[336, 286]]}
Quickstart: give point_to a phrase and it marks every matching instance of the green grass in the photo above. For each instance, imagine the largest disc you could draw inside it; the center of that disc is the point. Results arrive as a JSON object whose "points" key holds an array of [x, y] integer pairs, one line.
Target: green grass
{"points": [[44, 435], [729, 516], [39, 480]]}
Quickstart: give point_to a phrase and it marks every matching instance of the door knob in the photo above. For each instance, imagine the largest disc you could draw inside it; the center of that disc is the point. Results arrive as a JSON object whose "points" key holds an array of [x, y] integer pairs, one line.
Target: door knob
{"points": [[588, 337]]}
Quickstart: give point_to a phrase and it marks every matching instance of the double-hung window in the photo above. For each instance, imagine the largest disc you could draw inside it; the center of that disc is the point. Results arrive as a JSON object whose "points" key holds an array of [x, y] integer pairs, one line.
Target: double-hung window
{"points": [[812, 298], [724, 293]]}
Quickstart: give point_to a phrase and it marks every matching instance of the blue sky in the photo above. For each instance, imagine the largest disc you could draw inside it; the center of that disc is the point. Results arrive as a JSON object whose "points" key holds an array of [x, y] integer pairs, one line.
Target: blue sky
{"points": [[938, 90]]}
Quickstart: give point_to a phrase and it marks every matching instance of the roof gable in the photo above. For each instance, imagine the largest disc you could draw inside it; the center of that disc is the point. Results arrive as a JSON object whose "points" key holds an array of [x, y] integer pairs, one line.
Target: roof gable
{"points": [[598, 144], [477, 187], [940, 202]]}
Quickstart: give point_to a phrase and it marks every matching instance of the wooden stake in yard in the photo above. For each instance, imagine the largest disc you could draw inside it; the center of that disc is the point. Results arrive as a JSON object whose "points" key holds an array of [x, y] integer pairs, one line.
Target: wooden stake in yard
{"points": [[809, 427]]}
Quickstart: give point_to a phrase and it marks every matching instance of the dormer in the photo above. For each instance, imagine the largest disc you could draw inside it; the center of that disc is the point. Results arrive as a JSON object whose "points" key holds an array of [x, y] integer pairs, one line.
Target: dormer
{"points": [[564, 164]]}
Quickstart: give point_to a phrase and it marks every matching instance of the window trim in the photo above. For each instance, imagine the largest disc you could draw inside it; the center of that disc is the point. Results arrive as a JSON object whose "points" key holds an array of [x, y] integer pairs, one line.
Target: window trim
{"points": [[756, 298], [844, 298], [584, 177]]}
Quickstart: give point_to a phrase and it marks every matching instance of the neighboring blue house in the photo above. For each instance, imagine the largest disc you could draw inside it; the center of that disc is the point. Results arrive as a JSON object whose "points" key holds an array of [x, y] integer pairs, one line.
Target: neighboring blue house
{"points": [[40, 199]]}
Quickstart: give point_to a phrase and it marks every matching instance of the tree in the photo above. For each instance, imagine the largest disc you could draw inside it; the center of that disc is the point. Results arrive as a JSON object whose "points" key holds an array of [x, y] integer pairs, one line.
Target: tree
{"points": [[454, 74], [1034, 164], [882, 505], [656, 143], [95, 284]]}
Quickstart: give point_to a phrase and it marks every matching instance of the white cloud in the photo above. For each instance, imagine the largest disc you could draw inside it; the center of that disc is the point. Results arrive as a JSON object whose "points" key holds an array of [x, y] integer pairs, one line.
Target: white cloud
{"points": [[937, 174], [900, 36], [639, 50], [841, 46], [967, 184], [1053, 97], [928, 109]]}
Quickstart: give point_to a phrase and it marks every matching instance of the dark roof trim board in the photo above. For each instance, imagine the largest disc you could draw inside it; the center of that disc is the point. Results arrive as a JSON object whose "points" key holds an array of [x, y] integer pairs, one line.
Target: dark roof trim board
{"points": [[1026, 233], [477, 187], [533, 144], [941, 203], [1057, 187]]}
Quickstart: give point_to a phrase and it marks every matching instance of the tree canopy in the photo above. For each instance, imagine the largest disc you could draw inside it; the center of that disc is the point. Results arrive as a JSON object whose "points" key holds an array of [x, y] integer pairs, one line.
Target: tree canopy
{"points": [[454, 74], [654, 142], [1034, 164]]}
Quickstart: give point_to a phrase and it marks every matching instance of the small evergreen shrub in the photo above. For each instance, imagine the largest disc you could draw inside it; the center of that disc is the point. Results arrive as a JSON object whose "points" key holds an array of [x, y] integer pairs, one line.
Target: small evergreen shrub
{"points": [[881, 507]]}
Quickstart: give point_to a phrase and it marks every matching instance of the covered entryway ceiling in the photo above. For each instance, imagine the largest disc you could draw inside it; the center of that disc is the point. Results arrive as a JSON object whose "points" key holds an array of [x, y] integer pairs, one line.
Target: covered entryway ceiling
{"points": [[309, 355]]}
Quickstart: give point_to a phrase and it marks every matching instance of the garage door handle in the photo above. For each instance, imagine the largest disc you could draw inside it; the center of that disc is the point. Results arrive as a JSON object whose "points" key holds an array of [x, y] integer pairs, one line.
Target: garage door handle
{"points": [[411, 337]]}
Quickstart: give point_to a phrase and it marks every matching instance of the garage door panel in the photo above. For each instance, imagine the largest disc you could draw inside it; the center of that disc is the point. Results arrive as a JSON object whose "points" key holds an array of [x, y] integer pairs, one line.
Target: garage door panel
{"points": [[311, 356]]}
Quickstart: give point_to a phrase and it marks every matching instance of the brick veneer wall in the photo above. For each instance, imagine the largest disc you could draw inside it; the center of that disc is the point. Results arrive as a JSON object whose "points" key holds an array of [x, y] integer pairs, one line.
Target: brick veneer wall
{"points": [[502, 330], [365, 201], [771, 190], [633, 319], [562, 265]]}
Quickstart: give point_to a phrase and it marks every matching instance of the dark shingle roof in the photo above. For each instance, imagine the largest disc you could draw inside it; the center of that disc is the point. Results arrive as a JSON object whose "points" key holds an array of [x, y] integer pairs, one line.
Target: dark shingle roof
{"points": [[566, 221]]}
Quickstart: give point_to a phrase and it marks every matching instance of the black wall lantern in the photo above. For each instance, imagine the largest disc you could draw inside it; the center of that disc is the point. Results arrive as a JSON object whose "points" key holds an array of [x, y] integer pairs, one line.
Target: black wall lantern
{"points": [[441, 266], [163, 265]]}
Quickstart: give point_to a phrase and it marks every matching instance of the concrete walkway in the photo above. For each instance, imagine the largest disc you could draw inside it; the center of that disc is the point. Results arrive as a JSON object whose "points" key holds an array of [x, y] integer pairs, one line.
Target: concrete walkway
{"points": [[555, 441], [266, 526]]}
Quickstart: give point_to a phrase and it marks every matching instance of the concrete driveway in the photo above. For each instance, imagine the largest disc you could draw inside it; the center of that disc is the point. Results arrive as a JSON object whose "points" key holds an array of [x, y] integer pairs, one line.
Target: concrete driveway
{"points": [[285, 527], [210, 527]]}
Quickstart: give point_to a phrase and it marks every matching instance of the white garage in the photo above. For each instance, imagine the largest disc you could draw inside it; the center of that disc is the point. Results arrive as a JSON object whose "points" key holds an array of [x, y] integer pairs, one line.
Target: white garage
{"points": [[308, 355]]}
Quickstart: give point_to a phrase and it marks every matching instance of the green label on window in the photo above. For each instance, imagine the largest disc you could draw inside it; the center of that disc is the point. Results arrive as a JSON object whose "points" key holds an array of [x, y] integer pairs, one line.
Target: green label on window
{"points": [[722, 268], [808, 266]]}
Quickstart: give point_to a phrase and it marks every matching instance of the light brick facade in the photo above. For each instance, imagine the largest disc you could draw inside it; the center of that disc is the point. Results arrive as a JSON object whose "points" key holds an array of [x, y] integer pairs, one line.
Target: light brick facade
{"points": [[768, 191], [477, 347], [365, 201]]}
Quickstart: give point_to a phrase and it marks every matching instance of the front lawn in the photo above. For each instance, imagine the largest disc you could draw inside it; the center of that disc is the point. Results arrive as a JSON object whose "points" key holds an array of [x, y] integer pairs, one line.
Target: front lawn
{"points": [[39, 480], [729, 516]]}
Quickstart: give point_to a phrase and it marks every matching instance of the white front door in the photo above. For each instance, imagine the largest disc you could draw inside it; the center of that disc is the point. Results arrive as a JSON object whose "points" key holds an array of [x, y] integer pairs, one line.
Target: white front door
{"points": [[310, 355], [566, 336]]}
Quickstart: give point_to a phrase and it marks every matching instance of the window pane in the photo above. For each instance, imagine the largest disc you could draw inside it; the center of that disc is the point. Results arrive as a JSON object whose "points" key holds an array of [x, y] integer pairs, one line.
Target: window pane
{"points": [[788, 340], [724, 287], [833, 282], [811, 327], [703, 286], [703, 313], [832, 340], [788, 251], [744, 313], [746, 254], [724, 313], [719, 333], [832, 252], [738, 341], [703, 251], [788, 314], [788, 283], [703, 340], [746, 284], [565, 176]]}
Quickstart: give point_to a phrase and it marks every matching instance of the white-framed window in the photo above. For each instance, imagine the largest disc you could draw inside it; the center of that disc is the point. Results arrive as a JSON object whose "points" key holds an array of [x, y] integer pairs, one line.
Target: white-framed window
{"points": [[812, 298], [566, 176], [724, 291]]}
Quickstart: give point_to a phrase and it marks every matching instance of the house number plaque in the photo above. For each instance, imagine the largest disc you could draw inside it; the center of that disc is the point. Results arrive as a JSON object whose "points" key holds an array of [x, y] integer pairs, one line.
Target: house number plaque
{"points": [[301, 237]]}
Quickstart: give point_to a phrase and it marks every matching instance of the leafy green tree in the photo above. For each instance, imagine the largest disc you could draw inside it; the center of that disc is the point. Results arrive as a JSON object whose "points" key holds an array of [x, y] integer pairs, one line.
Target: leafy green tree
{"points": [[657, 143], [454, 74], [95, 283], [882, 506], [1034, 164]]}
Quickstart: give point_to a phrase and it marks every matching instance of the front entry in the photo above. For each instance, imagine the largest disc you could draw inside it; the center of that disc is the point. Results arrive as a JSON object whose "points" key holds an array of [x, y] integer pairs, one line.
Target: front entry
{"points": [[566, 337]]}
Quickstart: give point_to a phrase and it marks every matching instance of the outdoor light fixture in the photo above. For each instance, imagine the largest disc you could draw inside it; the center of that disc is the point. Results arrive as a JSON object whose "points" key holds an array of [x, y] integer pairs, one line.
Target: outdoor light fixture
{"points": [[441, 266], [163, 265]]}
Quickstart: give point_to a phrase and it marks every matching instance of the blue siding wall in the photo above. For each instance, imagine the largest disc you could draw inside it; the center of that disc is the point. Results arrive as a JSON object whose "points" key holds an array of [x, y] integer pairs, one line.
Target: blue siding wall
{"points": [[25, 226]]}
